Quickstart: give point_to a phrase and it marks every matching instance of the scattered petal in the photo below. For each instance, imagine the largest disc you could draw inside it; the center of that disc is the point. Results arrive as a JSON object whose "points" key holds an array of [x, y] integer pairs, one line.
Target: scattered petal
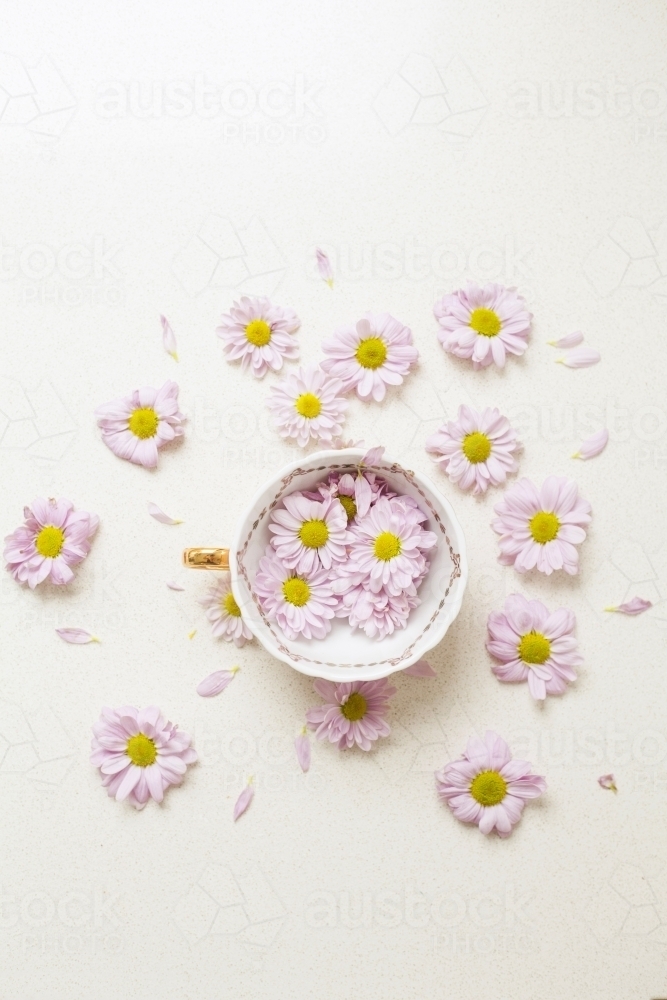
{"points": [[572, 340], [76, 635], [607, 781], [422, 668], [302, 747], [216, 682], [192, 634], [174, 586], [324, 267], [168, 338], [580, 357], [160, 515], [340, 444], [634, 607], [373, 456], [244, 799], [593, 445]]}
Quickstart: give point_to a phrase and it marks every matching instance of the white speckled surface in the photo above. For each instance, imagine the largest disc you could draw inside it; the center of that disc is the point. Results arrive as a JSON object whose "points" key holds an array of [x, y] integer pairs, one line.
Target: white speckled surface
{"points": [[418, 144]]}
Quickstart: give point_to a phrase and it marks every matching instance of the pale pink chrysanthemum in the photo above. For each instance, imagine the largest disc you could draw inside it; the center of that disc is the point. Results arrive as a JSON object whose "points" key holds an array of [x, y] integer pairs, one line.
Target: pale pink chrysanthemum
{"points": [[224, 613], [136, 426], [309, 535], [357, 493], [139, 753], [540, 528], [376, 353], [487, 787], [483, 324], [53, 538], [379, 615], [260, 334], [308, 404], [533, 645], [300, 603], [352, 713], [475, 450], [387, 547]]}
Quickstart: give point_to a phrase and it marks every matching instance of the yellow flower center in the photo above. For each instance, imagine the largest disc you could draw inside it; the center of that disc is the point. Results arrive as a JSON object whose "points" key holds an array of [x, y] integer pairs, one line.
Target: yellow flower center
{"points": [[476, 447], [143, 422], [544, 526], [371, 353], [534, 648], [296, 591], [50, 541], [355, 707], [230, 606], [258, 332], [488, 788], [486, 322], [314, 534], [141, 750], [308, 405], [387, 546], [349, 506]]}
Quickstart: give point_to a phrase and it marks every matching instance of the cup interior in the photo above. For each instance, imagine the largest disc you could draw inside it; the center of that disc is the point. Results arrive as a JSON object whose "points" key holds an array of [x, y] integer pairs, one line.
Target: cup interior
{"points": [[346, 653]]}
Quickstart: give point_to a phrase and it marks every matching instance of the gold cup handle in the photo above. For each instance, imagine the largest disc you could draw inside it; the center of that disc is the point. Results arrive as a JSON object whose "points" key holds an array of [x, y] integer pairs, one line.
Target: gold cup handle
{"points": [[206, 558]]}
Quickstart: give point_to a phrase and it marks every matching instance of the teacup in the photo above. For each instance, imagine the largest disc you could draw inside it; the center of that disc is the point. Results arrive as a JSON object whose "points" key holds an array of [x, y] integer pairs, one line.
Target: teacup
{"points": [[347, 654]]}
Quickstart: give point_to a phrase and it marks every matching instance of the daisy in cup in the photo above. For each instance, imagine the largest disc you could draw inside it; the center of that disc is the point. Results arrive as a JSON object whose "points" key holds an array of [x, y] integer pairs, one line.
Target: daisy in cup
{"points": [[533, 645], [483, 324], [379, 615], [352, 713], [136, 426], [260, 334], [357, 493], [540, 528], [486, 787], [376, 353], [308, 405], [476, 450], [224, 613], [308, 534], [387, 547], [300, 604], [53, 538]]}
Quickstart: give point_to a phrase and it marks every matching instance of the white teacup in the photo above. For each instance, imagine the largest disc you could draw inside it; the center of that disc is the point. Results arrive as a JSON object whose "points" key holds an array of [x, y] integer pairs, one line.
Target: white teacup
{"points": [[347, 654]]}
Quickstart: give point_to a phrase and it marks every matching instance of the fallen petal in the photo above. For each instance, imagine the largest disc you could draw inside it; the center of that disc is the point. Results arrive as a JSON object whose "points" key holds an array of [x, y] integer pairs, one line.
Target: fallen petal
{"points": [[302, 747], [192, 634], [634, 607], [580, 357], [168, 338], [373, 456], [174, 586], [339, 444], [76, 635], [422, 668], [244, 799], [324, 267], [593, 445], [216, 682], [160, 515], [607, 781], [572, 340]]}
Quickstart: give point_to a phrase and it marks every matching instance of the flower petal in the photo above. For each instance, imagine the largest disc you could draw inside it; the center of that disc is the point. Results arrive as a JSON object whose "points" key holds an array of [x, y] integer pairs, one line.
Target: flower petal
{"points": [[634, 607], [580, 357], [244, 799], [174, 586], [216, 682], [169, 338], [571, 340], [302, 747], [607, 781], [76, 635], [373, 456], [422, 668], [593, 445], [160, 515], [324, 267]]}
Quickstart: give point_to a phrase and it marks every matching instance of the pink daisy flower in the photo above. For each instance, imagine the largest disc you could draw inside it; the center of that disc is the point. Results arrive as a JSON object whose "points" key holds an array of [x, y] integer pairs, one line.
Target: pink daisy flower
{"points": [[136, 426], [486, 787], [353, 712], [309, 535], [376, 353], [540, 528], [356, 493], [301, 604], [475, 450], [387, 546], [224, 613], [379, 615], [139, 753], [533, 645], [483, 324], [53, 538], [260, 334], [308, 404]]}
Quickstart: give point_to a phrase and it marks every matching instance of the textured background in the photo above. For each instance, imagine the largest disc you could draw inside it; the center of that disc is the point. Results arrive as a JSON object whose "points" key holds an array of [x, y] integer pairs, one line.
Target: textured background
{"points": [[162, 158]]}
